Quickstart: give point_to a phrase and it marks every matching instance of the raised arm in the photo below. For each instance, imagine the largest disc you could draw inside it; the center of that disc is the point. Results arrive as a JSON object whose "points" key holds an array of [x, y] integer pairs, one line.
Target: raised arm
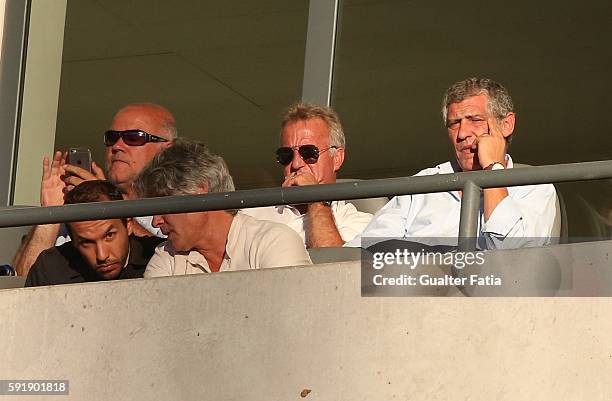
{"points": [[321, 230], [43, 237]]}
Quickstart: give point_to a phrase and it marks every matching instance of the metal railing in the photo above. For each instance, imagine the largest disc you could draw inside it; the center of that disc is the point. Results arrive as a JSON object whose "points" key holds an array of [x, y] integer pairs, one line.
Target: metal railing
{"points": [[471, 183]]}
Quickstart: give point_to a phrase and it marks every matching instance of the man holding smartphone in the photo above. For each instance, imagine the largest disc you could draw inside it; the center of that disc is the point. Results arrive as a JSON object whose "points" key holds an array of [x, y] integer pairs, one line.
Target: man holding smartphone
{"points": [[138, 132]]}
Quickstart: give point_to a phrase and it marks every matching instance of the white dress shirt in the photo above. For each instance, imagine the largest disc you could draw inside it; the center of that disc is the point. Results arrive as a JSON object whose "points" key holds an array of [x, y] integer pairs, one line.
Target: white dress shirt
{"points": [[348, 219]]}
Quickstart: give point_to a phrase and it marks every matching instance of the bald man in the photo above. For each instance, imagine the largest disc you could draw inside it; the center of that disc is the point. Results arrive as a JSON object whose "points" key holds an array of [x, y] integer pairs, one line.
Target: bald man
{"points": [[138, 132]]}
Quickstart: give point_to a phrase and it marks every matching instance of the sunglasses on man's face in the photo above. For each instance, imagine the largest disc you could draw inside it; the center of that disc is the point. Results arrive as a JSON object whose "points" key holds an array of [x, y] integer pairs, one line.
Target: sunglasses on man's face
{"points": [[131, 137], [308, 153]]}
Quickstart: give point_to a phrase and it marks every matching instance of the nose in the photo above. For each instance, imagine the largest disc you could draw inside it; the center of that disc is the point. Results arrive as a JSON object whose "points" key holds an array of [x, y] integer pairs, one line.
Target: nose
{"points": [[157, 221], [464, 130], [119, 145], [297, 162], [102, 252]]}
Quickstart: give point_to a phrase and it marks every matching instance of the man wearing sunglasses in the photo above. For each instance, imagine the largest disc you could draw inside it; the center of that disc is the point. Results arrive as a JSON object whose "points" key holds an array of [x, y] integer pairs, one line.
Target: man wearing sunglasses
{"points": [[479, 118], [137, 133], [311, 153]]}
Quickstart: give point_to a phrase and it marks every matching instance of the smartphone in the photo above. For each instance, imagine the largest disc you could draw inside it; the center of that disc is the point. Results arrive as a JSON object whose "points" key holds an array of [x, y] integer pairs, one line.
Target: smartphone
{"points": [[80, 157]]}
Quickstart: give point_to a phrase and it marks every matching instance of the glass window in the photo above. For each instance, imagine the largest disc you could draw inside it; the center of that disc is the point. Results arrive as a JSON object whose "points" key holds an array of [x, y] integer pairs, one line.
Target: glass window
{"points": [[396, 58], [225, 69]]}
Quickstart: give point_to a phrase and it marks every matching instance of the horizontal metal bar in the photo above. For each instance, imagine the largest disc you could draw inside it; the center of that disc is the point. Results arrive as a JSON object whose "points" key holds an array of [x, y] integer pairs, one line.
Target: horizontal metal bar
{"points": [[20, 216]]}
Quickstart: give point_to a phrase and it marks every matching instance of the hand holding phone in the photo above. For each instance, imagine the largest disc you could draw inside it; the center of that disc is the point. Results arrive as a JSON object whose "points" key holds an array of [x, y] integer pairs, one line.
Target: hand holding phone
{"points": [[79, 168]]}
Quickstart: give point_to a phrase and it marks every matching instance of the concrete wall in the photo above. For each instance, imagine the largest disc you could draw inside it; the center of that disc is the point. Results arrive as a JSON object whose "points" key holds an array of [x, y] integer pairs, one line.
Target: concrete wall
{"points": [[269, 335]]}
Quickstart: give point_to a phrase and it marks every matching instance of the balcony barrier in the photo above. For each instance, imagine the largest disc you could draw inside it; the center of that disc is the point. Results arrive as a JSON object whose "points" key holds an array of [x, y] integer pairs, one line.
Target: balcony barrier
{"points": [[471, 183]]}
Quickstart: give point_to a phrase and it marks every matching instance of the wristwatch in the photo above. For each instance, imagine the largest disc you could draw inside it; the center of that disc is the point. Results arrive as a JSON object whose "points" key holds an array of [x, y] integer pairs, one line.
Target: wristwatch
{"points": [[495, 166]]}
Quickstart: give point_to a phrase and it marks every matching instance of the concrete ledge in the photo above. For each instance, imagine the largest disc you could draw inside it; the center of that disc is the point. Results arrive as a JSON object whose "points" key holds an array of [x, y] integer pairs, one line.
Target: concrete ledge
{"points": [[270, 334]]}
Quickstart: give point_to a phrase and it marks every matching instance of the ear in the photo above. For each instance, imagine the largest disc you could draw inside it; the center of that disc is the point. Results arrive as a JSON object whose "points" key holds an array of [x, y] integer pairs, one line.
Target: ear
{"points": [[338, 159], [507, 124], [129, 224]]}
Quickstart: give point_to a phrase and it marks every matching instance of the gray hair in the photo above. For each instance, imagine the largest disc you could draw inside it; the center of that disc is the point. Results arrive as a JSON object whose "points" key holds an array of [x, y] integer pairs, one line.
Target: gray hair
{"points": [[170, 129], [499, 104], [306, 111], [182, 169]]}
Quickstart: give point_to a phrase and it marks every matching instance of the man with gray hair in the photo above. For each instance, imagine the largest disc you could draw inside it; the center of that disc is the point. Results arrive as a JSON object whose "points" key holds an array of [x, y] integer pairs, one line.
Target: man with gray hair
{"points": [[312, 151], [479, 116], [212, 241]]}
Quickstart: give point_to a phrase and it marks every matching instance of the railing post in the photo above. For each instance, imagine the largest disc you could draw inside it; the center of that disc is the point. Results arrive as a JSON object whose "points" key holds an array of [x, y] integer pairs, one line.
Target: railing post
{"points": [[468, 221]]}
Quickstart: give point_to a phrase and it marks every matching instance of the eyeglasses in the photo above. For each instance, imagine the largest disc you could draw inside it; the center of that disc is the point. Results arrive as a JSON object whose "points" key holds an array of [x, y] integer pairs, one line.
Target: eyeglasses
{"points": [[131, 137], [308, 153]]}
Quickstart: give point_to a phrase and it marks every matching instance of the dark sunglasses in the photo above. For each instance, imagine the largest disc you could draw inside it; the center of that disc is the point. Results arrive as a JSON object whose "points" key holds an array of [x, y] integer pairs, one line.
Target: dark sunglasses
{"points": [[131, 137], [308, 153]]}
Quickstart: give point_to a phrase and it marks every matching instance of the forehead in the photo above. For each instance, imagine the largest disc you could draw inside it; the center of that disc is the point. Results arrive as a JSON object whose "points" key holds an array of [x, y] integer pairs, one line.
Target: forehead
{"points": [[95, 228], [313, 130], [473, 105], [143, 118]]}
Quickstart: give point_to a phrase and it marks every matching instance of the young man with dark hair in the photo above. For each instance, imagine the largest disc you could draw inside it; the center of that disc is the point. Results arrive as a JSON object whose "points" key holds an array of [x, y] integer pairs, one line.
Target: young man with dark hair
{"points": [[99, 250]]}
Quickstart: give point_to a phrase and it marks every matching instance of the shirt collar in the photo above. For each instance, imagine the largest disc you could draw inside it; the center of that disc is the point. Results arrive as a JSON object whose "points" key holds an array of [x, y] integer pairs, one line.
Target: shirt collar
{"points": [[127, 259], [196, 258]]}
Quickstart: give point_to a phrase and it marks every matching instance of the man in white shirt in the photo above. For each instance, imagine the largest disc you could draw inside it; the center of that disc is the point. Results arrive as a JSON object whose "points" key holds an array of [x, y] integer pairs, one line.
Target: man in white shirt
{"points": [[479, 117], [211, 241], [311, 153], [138, 132]]}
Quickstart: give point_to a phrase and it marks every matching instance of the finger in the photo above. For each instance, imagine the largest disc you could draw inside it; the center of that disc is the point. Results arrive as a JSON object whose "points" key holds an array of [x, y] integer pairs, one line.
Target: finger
{"points": [[97, 171], [304, 177], [288, 181], [57, 157], [475, 142], [73, 180], [57, 163], [67, 189], [79, 172], [494, 129], [49, 165], [46, 170]]}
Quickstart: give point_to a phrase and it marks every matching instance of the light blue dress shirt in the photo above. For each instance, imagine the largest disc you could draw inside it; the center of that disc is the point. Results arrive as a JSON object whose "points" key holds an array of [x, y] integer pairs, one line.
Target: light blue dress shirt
{"points": [[524, 218]]}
